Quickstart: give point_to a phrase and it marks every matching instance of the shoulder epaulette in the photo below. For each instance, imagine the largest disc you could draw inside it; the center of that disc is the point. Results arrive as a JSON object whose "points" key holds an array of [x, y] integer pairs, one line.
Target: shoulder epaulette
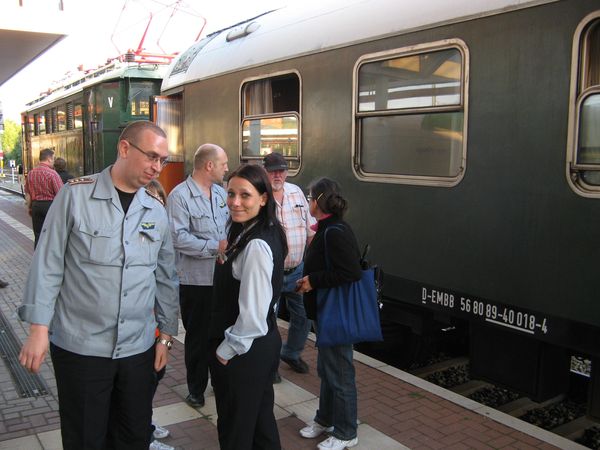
{"points": [[82, 180], [155, 197]]}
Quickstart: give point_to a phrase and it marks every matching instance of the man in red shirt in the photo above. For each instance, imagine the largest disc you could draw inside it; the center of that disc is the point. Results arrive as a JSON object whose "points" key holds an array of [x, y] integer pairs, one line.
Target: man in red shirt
{"points": [[41, 186]]}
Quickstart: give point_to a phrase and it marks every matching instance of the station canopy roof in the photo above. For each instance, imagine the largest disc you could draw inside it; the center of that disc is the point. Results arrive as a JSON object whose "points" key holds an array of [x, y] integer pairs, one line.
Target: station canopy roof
{"points": [[27, 29]]}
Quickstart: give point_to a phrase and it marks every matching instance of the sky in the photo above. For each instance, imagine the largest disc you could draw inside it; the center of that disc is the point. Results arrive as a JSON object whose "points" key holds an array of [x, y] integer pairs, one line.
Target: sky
{"points": [[105, 28]]}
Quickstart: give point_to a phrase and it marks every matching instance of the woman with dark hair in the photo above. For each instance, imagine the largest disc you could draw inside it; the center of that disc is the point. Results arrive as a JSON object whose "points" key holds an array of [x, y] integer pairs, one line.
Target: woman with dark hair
{"points": [[244, 335], [332, 259], [60, 165], [158, 190]]}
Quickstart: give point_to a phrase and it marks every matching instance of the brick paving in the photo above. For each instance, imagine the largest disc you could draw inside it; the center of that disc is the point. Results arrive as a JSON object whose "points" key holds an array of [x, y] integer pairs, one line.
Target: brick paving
{"points": [[408, 414]]}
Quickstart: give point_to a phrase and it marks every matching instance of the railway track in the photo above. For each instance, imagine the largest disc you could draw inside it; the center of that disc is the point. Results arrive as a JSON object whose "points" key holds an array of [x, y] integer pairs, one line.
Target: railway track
{"points": [[562, 415]]}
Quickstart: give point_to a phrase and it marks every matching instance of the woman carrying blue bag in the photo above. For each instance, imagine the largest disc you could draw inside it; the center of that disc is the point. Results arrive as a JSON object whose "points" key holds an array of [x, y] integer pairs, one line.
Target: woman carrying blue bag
{"points": [[332, 259]]}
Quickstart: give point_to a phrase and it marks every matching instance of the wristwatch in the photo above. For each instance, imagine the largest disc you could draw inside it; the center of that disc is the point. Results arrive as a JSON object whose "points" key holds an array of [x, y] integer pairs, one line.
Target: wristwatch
{"points": [[167, 342]]}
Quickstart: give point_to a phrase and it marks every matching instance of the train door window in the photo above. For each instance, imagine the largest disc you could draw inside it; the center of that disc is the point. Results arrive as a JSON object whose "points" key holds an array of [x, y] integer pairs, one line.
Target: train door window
{"points": [[139, 98], [61, 118], [41, 123], [584, 141], [410, 114], [77, 116], [271, 118]]}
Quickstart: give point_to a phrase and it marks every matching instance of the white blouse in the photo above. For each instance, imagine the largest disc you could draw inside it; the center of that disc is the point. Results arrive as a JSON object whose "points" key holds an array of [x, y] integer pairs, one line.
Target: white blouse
{"points": [[253, 267]]}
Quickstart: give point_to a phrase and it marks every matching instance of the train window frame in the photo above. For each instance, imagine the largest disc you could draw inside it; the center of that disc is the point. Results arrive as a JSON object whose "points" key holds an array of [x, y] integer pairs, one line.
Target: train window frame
{"points": [[294, 162], [581, 90], [361, 117]]}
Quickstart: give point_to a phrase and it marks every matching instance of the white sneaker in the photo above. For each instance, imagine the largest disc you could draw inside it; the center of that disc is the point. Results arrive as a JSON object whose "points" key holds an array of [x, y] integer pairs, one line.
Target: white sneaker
{"points": [[333, 443], [313, 429], [157, 445], [159, 432]]}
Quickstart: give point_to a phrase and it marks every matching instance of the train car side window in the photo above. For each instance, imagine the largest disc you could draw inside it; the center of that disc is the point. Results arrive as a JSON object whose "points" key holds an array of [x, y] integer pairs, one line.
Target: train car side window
{"points": [[583, 163], [271, 118], [410, 114], [61, 118], [139, 98], [77, 116], [30, 125], [42, 123]]}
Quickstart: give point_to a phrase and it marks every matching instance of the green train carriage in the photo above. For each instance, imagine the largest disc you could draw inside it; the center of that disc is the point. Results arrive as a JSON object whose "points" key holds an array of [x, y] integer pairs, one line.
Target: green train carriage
{"points": [[82, 119], [465, 135]]}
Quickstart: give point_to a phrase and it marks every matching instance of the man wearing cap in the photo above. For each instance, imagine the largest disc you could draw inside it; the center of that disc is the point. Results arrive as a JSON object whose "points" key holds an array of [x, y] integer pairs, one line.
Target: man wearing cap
{"points": [[292, 212]]}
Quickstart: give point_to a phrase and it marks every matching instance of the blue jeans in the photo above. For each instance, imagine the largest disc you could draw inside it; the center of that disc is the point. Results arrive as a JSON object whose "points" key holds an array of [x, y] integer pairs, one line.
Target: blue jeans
{"points": [[299, 324], [337, 399]]}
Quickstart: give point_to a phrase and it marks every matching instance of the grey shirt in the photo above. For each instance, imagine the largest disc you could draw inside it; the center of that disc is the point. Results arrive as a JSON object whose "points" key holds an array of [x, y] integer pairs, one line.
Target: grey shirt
{"points": [[102, 280], [197, 225]]}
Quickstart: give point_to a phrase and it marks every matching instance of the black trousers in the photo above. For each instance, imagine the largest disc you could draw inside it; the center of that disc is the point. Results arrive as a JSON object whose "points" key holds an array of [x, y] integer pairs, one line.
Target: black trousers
{"points": [[244, 395], [157, 377], [104, 403], [195, 303], [39, 209]]}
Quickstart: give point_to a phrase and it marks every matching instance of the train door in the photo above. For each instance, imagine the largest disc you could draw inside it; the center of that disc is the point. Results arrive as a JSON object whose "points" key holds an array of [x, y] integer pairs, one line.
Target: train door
{"points": [[90, 131], [167, 113]]}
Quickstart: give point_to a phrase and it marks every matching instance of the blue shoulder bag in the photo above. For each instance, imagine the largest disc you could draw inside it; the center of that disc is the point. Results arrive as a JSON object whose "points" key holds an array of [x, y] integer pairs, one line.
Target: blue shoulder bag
{"points": [[348, 313]]}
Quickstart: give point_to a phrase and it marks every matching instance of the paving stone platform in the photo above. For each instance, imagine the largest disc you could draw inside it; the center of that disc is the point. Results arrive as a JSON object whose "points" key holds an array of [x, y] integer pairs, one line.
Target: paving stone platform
{"points": [[395, 409]]}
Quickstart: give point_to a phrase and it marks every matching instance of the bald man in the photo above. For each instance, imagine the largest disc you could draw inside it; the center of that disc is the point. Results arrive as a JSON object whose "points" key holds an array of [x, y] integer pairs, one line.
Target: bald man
{"points": [[198, 216]]}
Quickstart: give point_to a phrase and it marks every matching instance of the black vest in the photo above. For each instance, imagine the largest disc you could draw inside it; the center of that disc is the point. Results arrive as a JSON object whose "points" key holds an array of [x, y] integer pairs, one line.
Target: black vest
{"points": [[226, 289]]}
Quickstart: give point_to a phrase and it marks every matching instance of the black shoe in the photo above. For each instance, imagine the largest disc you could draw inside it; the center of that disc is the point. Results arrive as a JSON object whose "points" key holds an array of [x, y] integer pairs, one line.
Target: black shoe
{"points": [[3, 284], [195, 401], [276, 377], [297, 365]]}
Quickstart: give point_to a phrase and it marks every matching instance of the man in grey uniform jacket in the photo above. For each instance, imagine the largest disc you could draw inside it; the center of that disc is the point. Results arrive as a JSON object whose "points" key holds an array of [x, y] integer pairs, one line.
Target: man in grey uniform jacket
{"points": [[101, 281], [198, 216]]}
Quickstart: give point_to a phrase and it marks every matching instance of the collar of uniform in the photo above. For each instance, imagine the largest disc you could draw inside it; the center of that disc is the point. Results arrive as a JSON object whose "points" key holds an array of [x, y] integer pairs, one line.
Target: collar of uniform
{"points": [[146, 200], [193, 187], [196, 191], [105, 189]]}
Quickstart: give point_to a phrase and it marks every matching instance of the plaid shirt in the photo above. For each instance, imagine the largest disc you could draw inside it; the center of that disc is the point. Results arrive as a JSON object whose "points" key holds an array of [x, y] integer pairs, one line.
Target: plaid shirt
{"points": [[296, 220], [43, 183]]}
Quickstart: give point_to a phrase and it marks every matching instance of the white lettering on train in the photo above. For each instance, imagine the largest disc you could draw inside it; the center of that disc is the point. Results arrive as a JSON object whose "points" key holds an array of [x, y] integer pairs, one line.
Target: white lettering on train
{"points": [[438, 297]]}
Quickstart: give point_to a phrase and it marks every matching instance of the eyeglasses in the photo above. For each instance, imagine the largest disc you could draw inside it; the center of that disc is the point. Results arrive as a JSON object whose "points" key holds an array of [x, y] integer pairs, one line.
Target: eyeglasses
{"points": [[309, 197], [151, 157]]}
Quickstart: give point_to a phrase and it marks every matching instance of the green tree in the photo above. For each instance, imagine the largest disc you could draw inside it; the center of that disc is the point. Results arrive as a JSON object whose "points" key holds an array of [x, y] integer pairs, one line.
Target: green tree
{"points": [[11, 141]]}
